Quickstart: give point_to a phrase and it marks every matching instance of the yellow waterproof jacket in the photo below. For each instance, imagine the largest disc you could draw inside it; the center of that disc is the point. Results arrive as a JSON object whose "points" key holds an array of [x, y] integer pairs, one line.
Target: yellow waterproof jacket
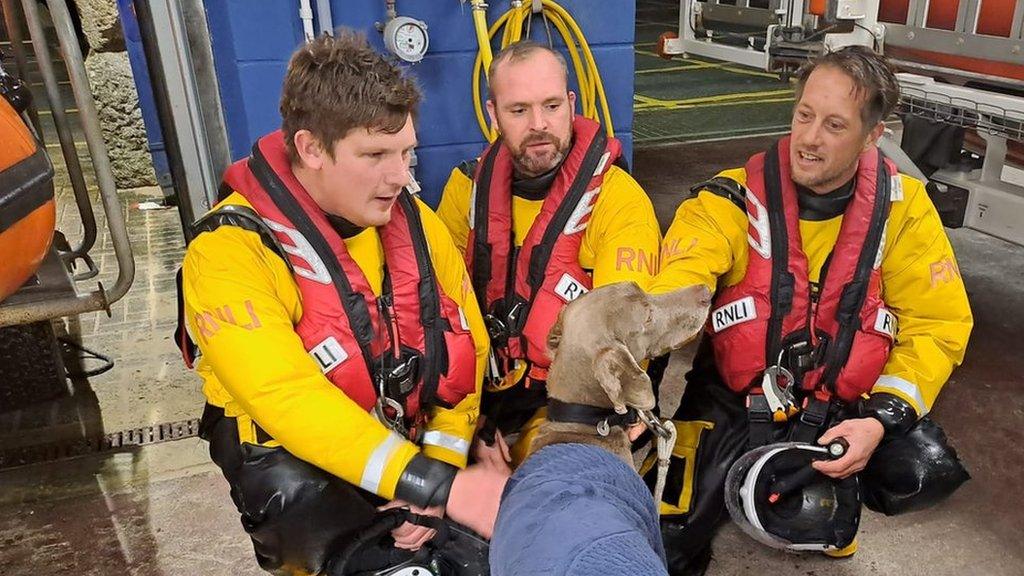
{"points": [[921, 283], [255, 366], [620, 243]]}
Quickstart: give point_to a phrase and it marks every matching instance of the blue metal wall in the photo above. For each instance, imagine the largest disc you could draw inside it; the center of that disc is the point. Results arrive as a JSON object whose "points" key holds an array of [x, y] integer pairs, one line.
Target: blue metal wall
{"points": [[252, 41]]}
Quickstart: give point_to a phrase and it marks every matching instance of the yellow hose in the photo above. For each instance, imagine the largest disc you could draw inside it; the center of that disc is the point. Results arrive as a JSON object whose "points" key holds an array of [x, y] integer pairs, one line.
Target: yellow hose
{"points": [[591, 89]]}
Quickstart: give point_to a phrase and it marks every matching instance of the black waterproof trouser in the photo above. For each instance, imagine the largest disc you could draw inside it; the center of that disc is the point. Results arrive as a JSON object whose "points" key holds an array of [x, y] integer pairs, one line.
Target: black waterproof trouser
{"points": [[303, 520], [906, 472]]}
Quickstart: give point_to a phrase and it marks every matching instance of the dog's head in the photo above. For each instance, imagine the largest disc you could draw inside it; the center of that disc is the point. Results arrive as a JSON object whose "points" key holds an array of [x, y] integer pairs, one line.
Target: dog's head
{"points": [[607, 331]]}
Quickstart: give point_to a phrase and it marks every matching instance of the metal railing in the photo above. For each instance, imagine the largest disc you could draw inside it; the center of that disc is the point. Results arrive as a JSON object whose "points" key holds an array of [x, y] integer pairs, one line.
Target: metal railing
{"points": [[99, 298], [964, 112]]}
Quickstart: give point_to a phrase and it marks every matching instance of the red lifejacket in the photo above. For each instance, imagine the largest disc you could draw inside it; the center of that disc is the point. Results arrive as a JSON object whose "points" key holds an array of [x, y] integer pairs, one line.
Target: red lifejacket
{"points": [[772, 310], [342, 325], [546, 272]]}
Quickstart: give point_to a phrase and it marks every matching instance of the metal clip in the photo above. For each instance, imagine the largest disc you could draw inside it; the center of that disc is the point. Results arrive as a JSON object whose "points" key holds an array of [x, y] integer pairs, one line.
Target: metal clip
{"points": [[603, 428], [395, 423], [657, 427], [780, 398]]}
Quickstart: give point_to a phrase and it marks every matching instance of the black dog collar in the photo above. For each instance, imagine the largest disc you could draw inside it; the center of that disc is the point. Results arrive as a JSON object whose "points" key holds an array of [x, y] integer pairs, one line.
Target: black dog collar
{"points": [[601, 418]]}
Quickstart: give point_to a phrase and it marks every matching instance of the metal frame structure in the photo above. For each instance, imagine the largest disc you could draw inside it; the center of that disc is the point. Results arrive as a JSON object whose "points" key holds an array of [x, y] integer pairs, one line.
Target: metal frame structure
{"points": [[778, 17], [963, 40], [196, 143], [741, 13], [62, 301], [994, 206]]}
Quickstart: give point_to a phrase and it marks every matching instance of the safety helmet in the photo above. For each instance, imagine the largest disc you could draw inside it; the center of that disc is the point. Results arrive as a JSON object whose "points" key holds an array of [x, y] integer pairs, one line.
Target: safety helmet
{"points": [[778, 499]]}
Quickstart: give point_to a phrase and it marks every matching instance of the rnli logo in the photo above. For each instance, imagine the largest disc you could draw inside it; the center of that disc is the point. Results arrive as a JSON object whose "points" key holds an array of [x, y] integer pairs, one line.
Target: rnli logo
{"points": [[328, 354], [885, 322], [569, 289], [733, 313], [301, 252]]}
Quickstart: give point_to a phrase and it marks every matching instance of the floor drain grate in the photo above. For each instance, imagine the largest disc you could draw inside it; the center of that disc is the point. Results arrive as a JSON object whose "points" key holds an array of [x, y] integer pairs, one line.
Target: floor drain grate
{"points": [[155, 434]]}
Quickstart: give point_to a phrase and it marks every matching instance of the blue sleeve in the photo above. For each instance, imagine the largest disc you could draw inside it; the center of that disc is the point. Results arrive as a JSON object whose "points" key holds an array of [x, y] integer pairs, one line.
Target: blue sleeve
{"points": [[620, 554]]}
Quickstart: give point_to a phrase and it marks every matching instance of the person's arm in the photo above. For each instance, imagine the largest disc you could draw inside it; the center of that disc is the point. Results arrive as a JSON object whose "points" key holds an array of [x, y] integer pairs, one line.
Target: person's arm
{"points": [[454, 207], [706, 240], [450, 430], [922, 286], [623, 234], [241, 305]]}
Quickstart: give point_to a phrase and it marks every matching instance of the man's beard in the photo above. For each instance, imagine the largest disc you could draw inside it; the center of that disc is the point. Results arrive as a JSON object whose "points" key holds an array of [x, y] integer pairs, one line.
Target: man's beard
{"points": [[535, 165], [832, 179]]}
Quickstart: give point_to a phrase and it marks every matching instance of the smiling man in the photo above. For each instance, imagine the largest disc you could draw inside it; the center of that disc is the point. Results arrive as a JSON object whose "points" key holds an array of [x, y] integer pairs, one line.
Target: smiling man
{"points": [[823, 261], [342, 346], [544, 215]]}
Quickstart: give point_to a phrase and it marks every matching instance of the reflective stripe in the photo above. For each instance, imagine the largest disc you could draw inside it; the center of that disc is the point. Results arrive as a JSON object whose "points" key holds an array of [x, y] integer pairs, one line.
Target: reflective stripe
{"points": [[447, 441], [374, 470], [907, 389]]}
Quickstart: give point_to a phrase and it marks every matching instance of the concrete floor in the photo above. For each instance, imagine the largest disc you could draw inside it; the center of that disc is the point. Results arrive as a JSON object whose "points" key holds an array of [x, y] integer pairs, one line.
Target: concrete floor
{"points": [[164, 510]]}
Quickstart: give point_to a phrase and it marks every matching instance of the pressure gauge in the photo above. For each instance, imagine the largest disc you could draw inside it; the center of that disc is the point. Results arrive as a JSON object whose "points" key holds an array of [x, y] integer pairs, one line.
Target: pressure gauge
{"points": [[406, 38]]}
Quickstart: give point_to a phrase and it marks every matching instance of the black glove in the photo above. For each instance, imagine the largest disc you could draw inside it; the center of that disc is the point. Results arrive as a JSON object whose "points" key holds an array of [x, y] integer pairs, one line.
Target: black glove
{"points": [[896, 414]]}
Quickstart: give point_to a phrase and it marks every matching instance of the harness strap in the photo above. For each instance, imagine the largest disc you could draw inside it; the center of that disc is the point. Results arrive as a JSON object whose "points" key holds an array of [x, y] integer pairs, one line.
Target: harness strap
{"points": [[812, 419], [854, 293], [759, 419], [727, 188]]}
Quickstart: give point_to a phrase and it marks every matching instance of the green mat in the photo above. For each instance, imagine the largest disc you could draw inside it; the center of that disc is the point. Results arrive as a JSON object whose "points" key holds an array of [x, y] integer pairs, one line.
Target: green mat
{"points": [[696, 98]]}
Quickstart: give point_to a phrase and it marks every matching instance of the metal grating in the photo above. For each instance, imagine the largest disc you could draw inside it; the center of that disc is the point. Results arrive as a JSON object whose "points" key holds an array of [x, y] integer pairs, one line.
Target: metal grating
{"points": [[963, 112], [124, 439]]}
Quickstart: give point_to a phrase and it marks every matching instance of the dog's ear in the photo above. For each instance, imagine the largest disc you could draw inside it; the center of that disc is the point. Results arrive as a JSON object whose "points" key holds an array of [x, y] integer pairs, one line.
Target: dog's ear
{"points": [[555, 335], [621, 377]]}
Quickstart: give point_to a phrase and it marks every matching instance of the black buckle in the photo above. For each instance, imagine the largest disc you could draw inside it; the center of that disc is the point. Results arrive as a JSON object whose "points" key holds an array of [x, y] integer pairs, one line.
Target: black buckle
{"points": [[501, 324], [815, 413], [757, 408], [399, 375], [497, 329], [801, 357]]}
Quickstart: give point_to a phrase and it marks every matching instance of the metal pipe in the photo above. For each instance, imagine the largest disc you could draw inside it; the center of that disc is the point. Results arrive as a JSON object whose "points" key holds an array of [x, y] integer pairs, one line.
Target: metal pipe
{"points": [[324, 17], [20, 62], [14, 314], [186, 154], [98, 299], [306, 15], [60, 121], [97, 149]]}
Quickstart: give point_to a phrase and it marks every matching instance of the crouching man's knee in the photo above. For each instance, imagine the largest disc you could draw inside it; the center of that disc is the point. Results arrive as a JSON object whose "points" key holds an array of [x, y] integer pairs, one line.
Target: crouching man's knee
{"points": [[912, 471]]}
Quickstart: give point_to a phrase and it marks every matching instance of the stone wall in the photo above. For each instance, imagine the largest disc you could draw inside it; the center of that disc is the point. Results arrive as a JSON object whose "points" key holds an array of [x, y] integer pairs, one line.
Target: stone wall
{"points": [[117, 101]]}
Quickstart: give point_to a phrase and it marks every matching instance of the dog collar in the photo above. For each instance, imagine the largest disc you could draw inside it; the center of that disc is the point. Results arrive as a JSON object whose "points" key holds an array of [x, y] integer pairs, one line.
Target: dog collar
{"points": [[601, 418]]}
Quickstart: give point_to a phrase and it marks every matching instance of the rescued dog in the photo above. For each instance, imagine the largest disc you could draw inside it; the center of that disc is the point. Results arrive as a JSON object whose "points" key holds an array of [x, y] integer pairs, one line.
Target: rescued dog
{"points": [[576, 505]]}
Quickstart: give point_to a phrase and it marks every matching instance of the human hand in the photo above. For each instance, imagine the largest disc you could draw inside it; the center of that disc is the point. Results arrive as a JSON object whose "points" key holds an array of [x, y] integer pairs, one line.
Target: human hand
{"points": [[496, 456], [411, 536], [475, 496], [863, 436]]}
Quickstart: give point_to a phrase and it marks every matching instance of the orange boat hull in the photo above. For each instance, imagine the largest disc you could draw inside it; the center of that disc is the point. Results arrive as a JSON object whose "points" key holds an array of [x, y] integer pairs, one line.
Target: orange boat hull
{"points": [[27, 209]]}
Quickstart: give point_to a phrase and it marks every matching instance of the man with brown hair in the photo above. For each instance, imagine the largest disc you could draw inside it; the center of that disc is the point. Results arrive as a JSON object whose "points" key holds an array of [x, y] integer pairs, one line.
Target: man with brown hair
{"points": [[342, 347], [838, 313], [546, 214]]}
